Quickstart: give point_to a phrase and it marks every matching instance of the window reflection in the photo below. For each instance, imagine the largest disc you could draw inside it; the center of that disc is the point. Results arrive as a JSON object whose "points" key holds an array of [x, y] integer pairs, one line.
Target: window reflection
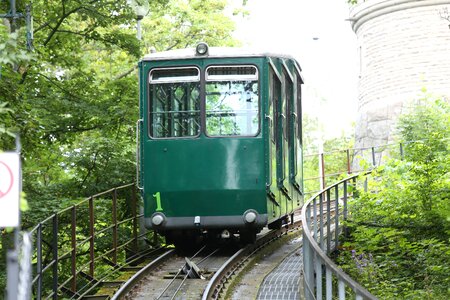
{"points": [[232, 101]]}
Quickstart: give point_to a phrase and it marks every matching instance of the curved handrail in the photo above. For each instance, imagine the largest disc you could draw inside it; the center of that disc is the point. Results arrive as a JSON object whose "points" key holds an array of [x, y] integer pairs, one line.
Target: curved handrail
{"points": [[314, 246]]}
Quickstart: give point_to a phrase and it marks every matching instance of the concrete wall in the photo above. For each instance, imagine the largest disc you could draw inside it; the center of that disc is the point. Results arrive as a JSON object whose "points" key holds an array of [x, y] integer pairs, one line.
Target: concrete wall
{"points": [[404, 46]]}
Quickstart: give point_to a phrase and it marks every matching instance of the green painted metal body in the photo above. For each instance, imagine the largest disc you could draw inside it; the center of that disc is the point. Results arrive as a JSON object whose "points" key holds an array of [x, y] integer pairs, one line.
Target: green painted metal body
{"points": [[221, 177]]}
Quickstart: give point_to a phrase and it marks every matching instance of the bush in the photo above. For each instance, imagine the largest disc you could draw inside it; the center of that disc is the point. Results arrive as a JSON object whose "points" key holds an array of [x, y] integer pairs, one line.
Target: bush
{"points": [[400, 229]]}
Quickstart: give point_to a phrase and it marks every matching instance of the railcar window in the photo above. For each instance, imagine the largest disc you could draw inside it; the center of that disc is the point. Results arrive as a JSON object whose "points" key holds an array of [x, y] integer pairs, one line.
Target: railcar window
{"points": [[174, 102], [232, 101]]}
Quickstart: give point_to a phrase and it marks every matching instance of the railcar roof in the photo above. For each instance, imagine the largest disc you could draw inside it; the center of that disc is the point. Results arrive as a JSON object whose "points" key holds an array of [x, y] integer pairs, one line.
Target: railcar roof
{"points": [[214, 52]]}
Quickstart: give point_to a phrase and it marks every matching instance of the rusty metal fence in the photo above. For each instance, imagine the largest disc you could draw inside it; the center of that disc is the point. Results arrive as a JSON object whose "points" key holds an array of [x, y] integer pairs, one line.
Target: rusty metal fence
{"points": [[85, 248]]}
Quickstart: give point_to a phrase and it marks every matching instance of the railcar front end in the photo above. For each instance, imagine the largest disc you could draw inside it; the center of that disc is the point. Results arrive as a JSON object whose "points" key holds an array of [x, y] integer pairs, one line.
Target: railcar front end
{"points": [[205, 165]]}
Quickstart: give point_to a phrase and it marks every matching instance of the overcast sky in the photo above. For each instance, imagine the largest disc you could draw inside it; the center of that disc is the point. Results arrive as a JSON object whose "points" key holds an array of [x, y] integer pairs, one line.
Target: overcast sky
{"points": [[317, 34]]}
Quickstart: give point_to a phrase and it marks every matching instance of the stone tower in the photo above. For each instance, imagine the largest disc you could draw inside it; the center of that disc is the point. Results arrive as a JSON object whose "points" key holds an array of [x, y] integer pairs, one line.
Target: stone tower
{"points": [[404, 47]]}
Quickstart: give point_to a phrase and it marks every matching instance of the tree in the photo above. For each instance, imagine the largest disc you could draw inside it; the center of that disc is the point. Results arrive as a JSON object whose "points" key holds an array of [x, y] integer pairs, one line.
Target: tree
{"points": [[75, 105]]}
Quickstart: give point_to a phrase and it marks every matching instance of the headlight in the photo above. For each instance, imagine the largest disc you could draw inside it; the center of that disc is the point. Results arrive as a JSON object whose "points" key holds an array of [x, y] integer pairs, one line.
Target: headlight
{"points": [[202, 49], [157, 219], [250, 216]]}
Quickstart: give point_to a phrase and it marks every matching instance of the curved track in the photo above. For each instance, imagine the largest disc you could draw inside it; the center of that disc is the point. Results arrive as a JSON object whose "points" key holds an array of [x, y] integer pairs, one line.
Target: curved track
{"points": [[203, 274]]}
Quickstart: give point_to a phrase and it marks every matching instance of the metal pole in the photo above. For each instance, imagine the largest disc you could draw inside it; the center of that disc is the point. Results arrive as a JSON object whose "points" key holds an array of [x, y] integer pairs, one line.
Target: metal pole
{"points": [[74, 249], [318, 269], [321, 220], [12, 4], [12, 256], [114, 220], [308, 276], [39, 261], [373, 157], [328, 221], [25, 269], [314, 220], [12, 270], [322, 170], [345, 208], [29, 21], [349, 167], [135, 223], [55, 256], [308, 273], [329, 284], [91, 238], [138, 27], [341, 289], [336, 217]]}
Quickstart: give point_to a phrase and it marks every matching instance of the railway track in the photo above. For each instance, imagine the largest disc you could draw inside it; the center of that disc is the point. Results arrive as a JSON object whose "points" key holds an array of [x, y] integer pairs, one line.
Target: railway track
{"points": [[203, 274]]}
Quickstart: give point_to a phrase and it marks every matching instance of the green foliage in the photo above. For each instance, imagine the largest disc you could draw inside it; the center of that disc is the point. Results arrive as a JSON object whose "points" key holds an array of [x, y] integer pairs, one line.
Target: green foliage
{"points": [[335, 155], [75, 105], [403, 223], [74, 102]]}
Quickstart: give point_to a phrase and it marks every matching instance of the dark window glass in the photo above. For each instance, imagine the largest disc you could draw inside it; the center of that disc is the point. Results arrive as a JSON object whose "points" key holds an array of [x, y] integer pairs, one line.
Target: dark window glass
{"points": [[232, 101], [174, 102], [299, 109], [275, 97], [288, 103]]}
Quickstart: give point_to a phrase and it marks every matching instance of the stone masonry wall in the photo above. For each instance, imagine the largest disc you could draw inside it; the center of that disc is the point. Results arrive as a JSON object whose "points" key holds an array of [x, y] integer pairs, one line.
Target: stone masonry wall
{"points": [[404, 47]]}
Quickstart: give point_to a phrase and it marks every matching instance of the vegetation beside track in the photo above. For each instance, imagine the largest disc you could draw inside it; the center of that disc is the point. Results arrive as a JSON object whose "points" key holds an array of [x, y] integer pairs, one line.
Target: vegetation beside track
{"points": [[399, 244]]}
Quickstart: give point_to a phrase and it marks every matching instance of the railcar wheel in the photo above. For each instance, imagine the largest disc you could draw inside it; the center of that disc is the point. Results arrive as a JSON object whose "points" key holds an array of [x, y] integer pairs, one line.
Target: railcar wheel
{"points": [[276, 225], [247, 236]]}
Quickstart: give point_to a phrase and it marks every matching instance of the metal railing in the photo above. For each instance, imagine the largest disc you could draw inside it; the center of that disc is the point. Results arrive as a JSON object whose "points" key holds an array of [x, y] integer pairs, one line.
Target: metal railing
{"points": [[84, 247], [323, 169], [322, 218]]}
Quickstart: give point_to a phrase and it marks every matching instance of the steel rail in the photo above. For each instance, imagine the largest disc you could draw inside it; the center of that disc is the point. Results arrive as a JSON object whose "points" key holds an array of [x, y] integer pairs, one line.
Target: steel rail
{"points": [[217, 283], [129, 284], [186, 275]]}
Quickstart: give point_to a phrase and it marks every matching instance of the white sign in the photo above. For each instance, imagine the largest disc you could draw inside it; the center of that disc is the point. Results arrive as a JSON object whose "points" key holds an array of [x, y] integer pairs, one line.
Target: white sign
{"points": [[9, 189]]}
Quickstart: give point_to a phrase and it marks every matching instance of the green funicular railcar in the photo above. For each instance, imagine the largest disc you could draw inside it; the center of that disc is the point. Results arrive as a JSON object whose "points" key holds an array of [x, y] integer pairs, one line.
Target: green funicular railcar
{"points": [[220, 147]]}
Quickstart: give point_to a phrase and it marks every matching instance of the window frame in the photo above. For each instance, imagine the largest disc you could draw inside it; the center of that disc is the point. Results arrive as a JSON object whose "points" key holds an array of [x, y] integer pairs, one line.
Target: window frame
{"points": [[218, 78], [180, 79]]}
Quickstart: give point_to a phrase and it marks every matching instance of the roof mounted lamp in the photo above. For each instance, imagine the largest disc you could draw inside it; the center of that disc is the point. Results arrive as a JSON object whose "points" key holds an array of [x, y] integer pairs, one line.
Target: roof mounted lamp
{"points": [[201, 49], [141, 8]]}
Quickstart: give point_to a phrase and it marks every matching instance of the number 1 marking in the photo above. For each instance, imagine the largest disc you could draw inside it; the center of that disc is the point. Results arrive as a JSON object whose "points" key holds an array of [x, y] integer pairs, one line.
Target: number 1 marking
{"points": [[158, 201]]}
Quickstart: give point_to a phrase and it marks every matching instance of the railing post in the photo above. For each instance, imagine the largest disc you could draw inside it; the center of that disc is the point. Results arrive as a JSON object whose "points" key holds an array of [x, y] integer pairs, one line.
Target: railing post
{"points": [[349, 167], [74, 249], [55, 255], [39, 261], [328, 222], [308, 276], [321, 221], [314, 220], [341, 290], [336, 217], [135, 223], [322, 170], [318, 269], [373, 157], [345, 208], [329, 284], [91, 238], [114, 220]]}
